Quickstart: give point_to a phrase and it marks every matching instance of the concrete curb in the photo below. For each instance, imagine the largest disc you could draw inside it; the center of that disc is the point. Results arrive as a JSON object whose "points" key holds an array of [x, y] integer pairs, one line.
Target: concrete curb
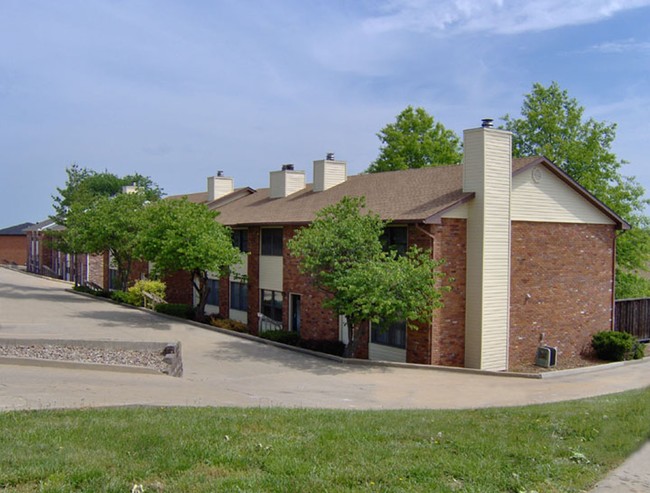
{"points": [[374, 363], [74, 365], [171, 355]]}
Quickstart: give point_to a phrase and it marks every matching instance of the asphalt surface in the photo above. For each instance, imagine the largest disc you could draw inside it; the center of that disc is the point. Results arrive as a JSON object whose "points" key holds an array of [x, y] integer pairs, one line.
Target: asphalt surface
{"points": [[224, 370]]}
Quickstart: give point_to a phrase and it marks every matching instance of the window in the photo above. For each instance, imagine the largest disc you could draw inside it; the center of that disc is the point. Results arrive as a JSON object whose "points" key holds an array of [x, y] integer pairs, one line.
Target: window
{"points": [[239, 296], [394, 239], [392, 335], [240, 239], [272, 304], [213, 294], [272, 241]]}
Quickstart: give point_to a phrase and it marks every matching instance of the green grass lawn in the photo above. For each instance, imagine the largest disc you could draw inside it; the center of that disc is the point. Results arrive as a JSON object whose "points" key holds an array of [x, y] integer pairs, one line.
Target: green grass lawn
{"points": [[548, 448]]}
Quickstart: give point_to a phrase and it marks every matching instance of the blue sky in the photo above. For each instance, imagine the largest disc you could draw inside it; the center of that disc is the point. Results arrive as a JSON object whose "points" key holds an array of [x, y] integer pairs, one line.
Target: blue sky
{"points": [[178, 90]]}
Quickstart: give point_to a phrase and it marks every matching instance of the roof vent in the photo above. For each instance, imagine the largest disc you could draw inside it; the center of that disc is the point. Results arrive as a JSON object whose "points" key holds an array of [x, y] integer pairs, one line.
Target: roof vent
{"points": [[220, 173], [287, 167], [330, 156], [487, 123]]}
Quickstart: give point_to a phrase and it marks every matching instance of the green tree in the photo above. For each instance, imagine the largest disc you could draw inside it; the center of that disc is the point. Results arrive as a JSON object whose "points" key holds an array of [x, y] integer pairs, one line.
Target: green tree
{"points": [[342, 253], [86, 198], [552, 124], [415, 141], [84, 185], [183, 236], [108, 224]]}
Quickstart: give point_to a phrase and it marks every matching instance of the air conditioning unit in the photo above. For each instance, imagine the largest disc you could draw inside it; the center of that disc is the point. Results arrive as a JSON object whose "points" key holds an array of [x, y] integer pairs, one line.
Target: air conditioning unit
{"points": [[546, 356]]}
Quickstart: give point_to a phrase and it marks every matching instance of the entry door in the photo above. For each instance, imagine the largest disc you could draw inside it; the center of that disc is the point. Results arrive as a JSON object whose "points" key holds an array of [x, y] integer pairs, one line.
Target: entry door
{"points": [[295, 312]]}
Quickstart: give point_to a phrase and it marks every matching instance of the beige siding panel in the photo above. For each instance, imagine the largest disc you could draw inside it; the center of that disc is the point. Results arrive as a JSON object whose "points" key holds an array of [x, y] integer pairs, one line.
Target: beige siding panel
{"points": [[284, 183], [459, 212], [240, 269], [271, 272], [488, 173], [328, 174], [211, 310], [538, 195], [379, 352], [239, 316]]}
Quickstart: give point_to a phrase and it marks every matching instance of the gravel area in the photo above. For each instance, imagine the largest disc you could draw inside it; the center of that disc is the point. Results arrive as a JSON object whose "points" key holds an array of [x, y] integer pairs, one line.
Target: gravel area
{"points": [[105, 356]]}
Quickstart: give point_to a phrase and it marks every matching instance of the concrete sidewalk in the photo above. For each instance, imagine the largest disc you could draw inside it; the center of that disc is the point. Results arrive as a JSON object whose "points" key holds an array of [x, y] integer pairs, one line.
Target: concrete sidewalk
{"points": [[223, 370]]}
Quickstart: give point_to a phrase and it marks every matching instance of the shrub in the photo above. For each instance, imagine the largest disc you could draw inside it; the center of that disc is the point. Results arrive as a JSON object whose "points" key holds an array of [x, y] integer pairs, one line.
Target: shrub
{"points": [[616, 346], [639, 350], [283, 336], [95, 292], [229, 324], [145, 285], [124, 297], [180, 310]]}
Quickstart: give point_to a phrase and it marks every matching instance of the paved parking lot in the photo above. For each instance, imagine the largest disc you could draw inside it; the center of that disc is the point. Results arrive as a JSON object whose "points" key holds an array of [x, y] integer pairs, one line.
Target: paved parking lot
{"points": [[224, 370]]}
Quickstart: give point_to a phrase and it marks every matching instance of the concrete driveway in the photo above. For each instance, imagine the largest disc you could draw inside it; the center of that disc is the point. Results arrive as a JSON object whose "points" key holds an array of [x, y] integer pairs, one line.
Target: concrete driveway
{"points": [[224, 370]]}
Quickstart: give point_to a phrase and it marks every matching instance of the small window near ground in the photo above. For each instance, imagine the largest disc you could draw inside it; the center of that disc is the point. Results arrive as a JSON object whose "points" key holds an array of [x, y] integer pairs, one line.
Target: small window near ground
{"points": [[272, 304], [393, 335], [213, 295], [239, 296]]}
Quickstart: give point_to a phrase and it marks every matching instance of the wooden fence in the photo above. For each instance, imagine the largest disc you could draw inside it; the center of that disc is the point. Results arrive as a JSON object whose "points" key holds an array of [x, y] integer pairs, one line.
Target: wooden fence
{"points": [[633, 316]]}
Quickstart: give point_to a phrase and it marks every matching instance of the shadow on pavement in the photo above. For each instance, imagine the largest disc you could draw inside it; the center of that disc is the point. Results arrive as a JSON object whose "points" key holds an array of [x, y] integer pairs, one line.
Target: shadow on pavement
{"points": [[125, 318], [236, 350], [38, 294]]}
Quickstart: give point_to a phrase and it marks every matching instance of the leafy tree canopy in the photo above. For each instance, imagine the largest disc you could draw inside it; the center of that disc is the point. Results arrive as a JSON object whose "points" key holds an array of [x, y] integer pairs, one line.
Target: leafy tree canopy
{"points": [[552, 124], [109, 224], [342, 253], [415, 141], [84, 185], [181, 235]]}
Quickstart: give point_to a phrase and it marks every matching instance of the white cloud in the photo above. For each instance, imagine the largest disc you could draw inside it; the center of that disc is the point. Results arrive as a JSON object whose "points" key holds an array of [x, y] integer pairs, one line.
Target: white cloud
{"points": [[623, 46], [497, 16]]}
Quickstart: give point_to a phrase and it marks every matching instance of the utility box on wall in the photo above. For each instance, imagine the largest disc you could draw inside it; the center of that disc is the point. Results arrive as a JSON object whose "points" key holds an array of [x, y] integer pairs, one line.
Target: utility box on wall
{"points": [[546, 356]]}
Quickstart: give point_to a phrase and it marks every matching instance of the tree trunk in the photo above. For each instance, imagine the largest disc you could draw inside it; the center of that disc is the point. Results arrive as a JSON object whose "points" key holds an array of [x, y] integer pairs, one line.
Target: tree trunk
{"points": [[353, 340], [200, 283]]}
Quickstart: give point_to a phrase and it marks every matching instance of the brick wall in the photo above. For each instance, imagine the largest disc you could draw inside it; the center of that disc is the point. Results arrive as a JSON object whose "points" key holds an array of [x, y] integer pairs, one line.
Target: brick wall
{"points": [[13, 249], [561, 288], [316, 322], [442, 342], [253, 278], [179, 288], [449, 321], [419, 342], [96, 270]]}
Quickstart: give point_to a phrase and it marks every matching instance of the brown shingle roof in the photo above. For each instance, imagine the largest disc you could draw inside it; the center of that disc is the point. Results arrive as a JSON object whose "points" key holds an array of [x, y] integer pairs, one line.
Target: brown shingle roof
{"points": [[412, 195], [404, 196]]}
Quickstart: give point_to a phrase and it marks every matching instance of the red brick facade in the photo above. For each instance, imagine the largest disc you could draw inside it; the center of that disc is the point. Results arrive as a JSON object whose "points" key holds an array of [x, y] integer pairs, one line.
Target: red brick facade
{"points": [[13, 249], [561, 288], [317, 323], [449, 322], [567, 305]]}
